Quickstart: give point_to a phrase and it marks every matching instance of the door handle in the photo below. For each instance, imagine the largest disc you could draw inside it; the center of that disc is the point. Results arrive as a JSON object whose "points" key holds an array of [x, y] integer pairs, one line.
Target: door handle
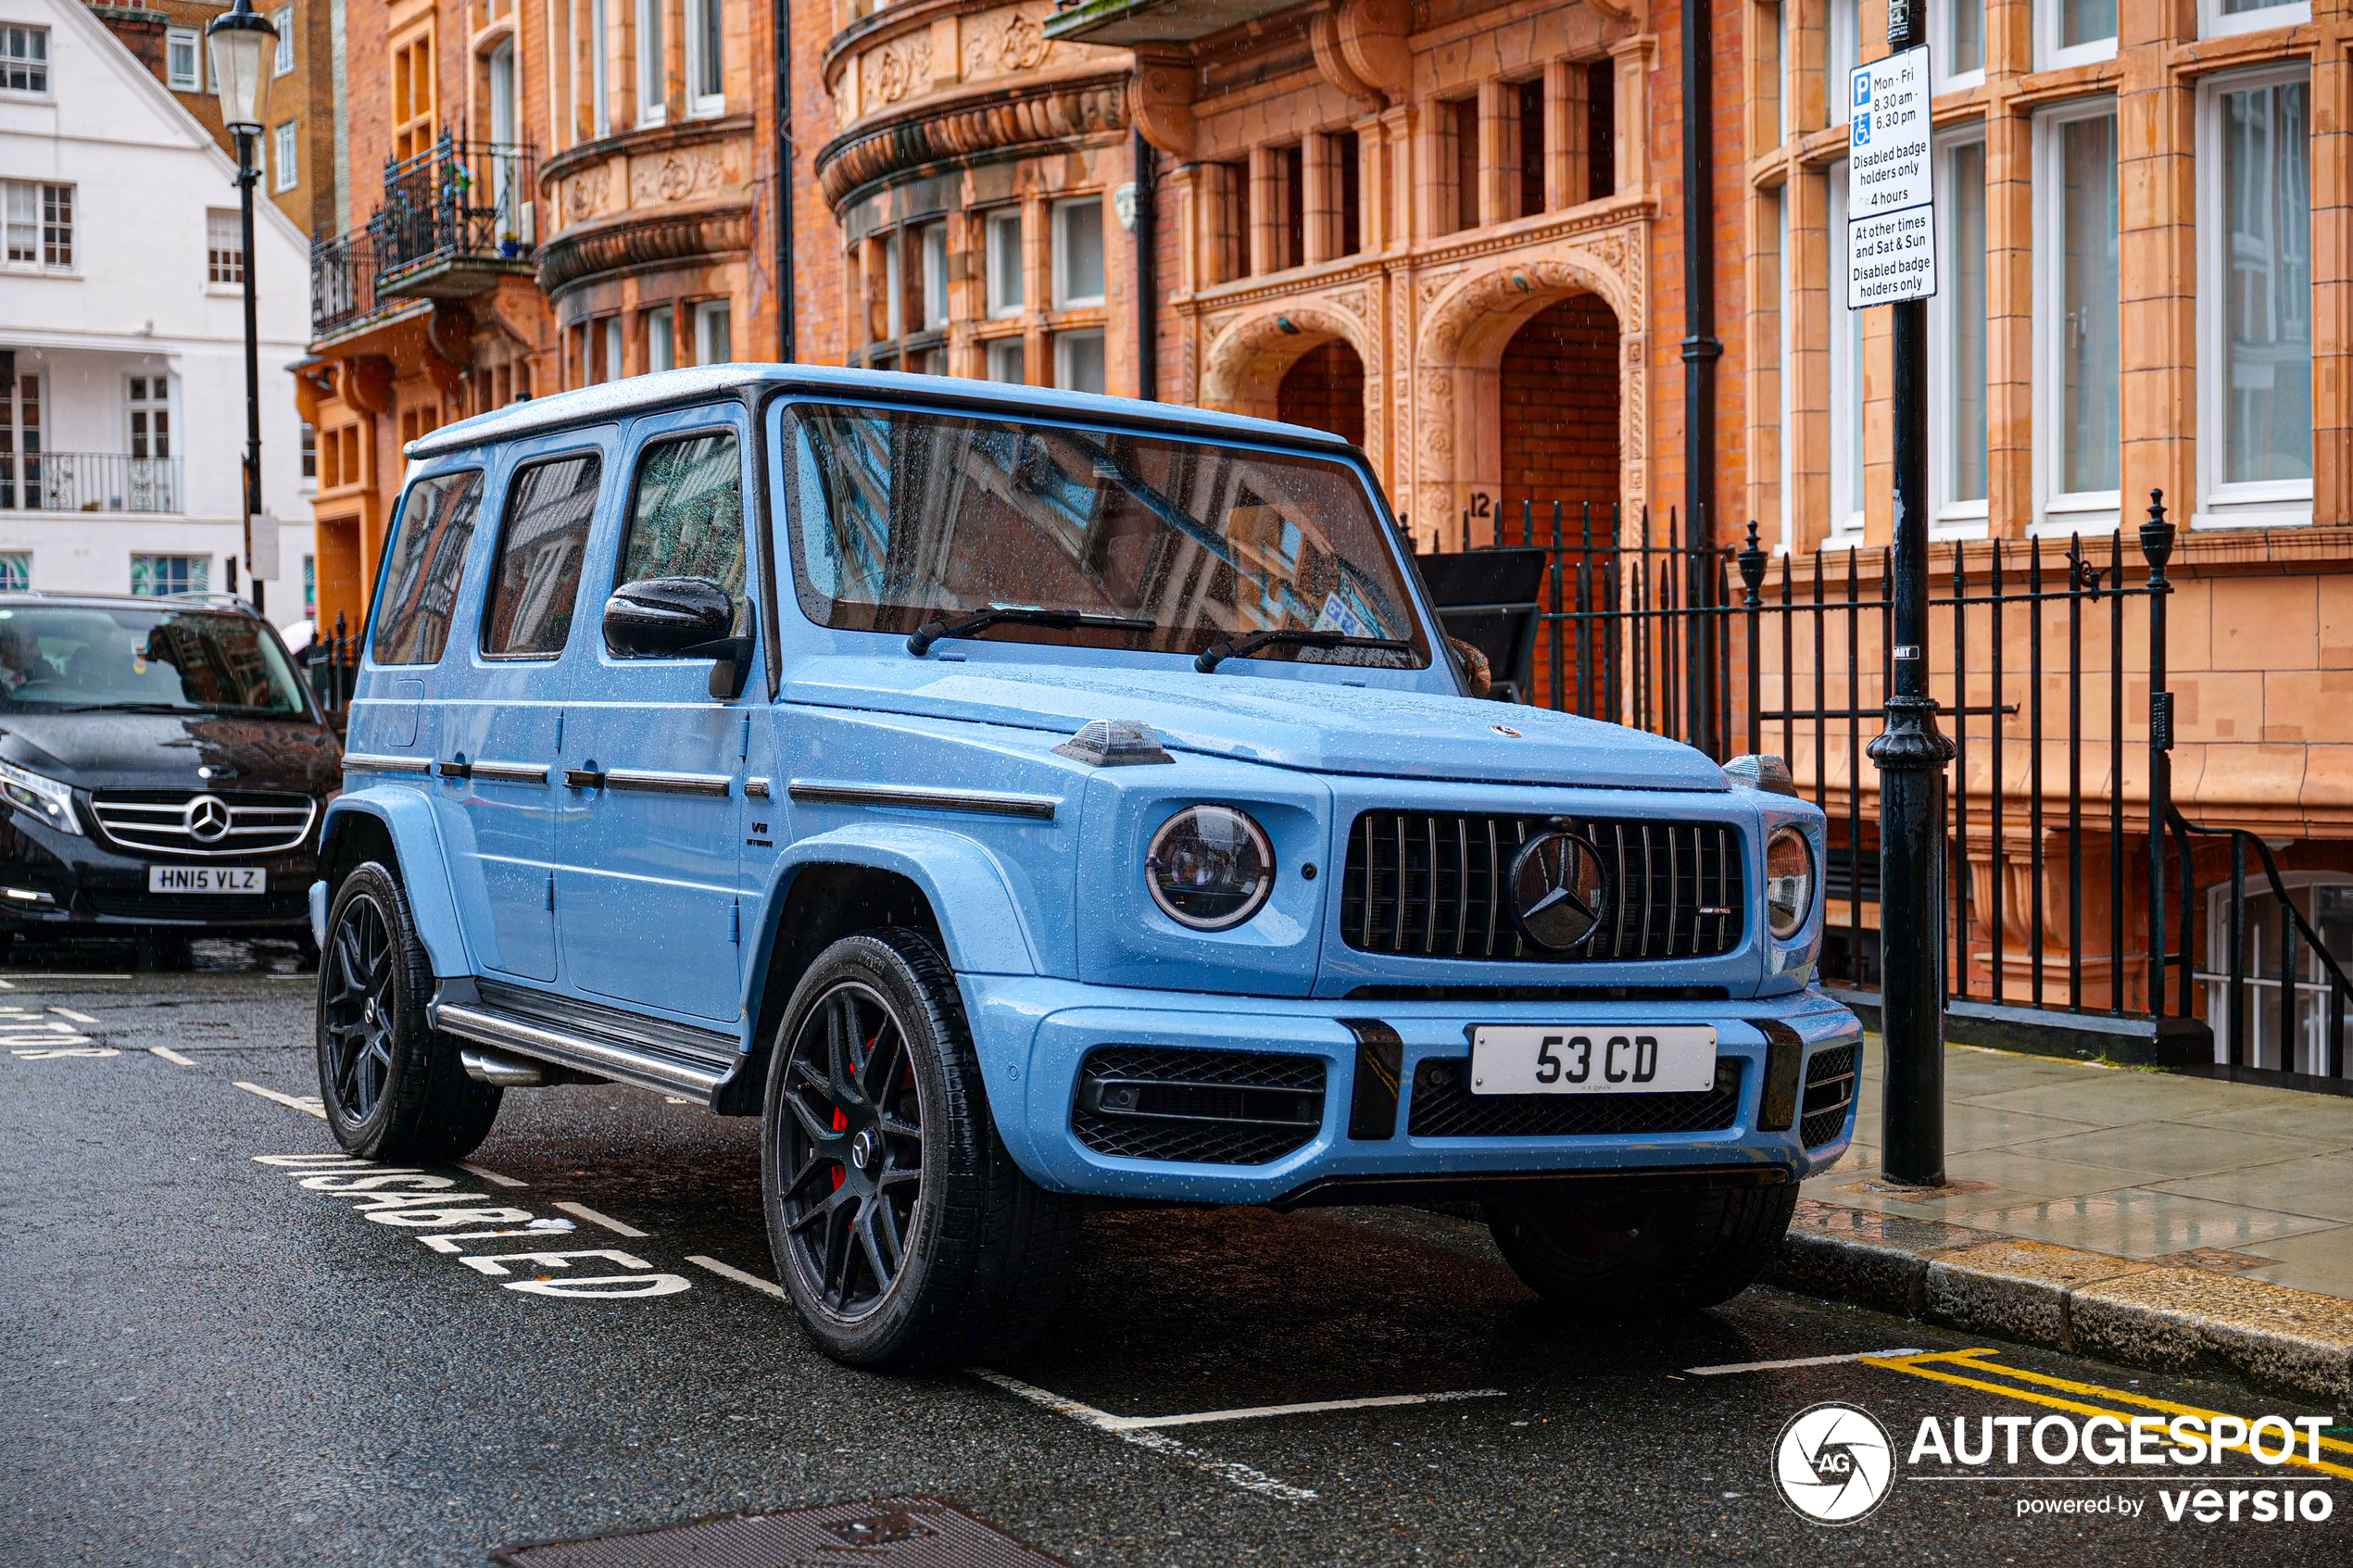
{"points": [[583, 778]]}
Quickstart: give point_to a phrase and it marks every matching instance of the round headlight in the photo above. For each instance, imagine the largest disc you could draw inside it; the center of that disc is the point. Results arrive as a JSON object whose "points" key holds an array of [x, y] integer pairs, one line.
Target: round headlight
{"points": [[1210, 867], [1789, 882]]}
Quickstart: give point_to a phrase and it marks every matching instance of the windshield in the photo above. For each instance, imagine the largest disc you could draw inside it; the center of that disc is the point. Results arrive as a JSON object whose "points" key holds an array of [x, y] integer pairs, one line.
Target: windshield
{"points": [[910, 518], [185, 660]]}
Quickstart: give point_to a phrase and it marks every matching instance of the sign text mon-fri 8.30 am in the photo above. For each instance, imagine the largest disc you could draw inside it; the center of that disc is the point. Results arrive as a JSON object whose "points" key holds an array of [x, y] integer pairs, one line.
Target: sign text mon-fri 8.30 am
{"points": [[1891, 215]]}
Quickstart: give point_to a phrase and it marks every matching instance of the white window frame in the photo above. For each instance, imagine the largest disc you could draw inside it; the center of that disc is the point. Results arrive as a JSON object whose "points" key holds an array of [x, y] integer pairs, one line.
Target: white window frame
{"points": [[1943, 79], [894, 285], [2213, 22], [1788, 376], [1948, 518], [1846, 398], [186, 38], [719, 314], [699, 16], [151, 405], [600, 67], [661, 338], [1064, 342], [49, 89], [1841, 52], [2277, 503], [1004, 301], [653, 106], [2050, 54], [285, 155], [40, 232], [1063, 212], [614, 349], [2057, 511], [282, 19], [991, 359], [933, 238], [7, 561]]}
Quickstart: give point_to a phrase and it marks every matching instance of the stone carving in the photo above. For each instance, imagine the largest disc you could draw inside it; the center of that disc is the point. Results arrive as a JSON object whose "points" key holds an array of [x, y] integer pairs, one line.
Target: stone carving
{"points": [[899, 67], [674, 176], [1248, 357], [1350, 300], [1016, 44], [1160, 97], [1579, 269], [584, 194]]}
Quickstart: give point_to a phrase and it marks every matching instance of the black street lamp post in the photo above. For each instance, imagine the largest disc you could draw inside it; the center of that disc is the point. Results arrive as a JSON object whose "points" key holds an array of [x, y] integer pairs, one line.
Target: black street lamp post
{"points": [[243, 44]]}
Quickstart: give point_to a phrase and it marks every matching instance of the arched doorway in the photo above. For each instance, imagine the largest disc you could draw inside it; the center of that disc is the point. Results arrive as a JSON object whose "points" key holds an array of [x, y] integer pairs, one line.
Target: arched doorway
{"points": [[1560, 418], [1325, 390]]}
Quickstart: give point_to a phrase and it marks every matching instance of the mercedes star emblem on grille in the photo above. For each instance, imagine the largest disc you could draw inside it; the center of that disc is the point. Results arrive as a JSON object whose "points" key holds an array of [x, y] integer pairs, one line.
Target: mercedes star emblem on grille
{"points": [[208, 818], [1560, 890]]}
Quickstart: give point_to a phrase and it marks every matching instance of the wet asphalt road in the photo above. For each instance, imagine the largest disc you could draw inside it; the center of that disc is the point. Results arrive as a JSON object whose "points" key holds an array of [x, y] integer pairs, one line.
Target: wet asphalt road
{"points": [[207, 1362]]}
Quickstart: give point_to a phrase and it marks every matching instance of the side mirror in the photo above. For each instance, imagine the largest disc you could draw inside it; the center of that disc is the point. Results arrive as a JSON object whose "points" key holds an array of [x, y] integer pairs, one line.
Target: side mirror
{"points": [[664, 616]]}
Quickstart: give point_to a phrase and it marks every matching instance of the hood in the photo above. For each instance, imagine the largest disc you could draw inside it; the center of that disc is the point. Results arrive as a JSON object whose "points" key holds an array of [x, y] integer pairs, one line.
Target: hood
{"points": [[164, 750], [1305, 724]]}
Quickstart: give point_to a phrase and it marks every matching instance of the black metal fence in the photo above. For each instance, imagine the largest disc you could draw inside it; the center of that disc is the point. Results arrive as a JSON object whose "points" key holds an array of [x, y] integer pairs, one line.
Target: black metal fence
{"points": [[331, 667], [2076, 888], [455, 200]]}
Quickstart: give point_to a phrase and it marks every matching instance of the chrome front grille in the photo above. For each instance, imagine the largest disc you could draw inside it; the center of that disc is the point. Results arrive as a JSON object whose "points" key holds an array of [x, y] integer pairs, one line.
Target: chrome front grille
{"points": [[1432, 884], [177, 821]]}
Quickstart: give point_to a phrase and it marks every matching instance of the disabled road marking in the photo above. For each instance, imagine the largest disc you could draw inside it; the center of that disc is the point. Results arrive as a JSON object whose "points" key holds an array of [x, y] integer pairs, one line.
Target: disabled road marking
{"points": [[582, 1210], [728, 1271], [70, 1015], [493, 1177], [1226, 1470], [1798, 1361], [311, 1104], [1257, 1413], [170, 1055]]}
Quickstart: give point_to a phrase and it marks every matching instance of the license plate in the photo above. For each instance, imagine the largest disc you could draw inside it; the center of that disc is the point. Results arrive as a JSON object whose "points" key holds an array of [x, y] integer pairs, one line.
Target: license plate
{"points": [[1593, 1058], [207, 879]]}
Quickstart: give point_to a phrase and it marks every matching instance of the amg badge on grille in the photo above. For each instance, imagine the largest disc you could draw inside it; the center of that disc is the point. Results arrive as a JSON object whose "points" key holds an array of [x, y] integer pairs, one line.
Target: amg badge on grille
{"points": [[1560, 890]]}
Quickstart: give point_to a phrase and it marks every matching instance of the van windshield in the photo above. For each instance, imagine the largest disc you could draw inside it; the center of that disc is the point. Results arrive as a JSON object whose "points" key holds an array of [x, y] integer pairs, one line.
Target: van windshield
{"points": [[906, 518], [77, 659]]}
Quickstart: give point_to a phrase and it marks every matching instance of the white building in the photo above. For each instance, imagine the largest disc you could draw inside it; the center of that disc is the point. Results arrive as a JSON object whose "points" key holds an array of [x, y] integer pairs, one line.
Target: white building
{"points": [[122, 398]]}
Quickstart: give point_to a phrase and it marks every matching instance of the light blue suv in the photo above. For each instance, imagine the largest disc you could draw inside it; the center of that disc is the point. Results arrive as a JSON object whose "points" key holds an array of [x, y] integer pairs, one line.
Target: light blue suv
{"points": [[1016, 797]]}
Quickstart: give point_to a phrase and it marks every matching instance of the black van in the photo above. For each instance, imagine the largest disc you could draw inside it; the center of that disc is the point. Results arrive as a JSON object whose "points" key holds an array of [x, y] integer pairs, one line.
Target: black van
{"points": [[162, 772]]}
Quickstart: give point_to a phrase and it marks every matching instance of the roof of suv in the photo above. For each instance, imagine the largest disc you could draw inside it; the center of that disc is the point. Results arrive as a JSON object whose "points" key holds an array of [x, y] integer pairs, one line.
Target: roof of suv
{"points": [[137, 601], [669, 388]]}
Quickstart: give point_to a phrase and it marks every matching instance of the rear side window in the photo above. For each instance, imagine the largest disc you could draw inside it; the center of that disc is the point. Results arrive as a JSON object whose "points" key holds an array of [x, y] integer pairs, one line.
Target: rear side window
{"points": [[536, 581], [687, 516], [428, 558]]}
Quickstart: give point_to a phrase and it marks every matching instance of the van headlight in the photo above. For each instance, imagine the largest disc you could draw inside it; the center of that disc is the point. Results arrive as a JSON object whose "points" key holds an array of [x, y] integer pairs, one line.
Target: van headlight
{"points": [[1210, 868], [1789, 882], [45, 798]]}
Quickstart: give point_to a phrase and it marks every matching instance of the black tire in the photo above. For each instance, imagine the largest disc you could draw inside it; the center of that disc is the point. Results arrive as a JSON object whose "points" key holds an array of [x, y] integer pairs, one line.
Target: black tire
{"points": [[942, 1253], [1630, 1253], [393, 1087]]}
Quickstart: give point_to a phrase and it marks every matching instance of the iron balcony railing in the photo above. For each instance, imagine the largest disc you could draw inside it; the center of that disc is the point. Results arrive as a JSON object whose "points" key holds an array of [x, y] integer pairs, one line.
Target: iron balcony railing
{"points": [[90, 482], [456, 201]]}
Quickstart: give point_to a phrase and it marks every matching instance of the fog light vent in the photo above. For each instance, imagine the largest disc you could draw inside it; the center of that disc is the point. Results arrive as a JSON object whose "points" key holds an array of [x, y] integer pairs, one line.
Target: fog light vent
{"points": [[1210, 1107]]}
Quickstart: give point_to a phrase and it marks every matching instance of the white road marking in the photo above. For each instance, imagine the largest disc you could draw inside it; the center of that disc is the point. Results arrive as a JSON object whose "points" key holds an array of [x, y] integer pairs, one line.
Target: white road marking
{"points": [[583, 1211], [64, 974], [495, 1262], [309, 1104], [77, 1017], [728, 1271], [537, 1227], [170, 1055], [52, 1053], [1241, 1475], [1799, 1362], [1254, 1412], [491, 1176]]}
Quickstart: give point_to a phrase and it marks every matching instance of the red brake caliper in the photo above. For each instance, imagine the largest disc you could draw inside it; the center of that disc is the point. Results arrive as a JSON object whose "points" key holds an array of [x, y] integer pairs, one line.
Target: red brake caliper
{"points": [[841, 1125]]}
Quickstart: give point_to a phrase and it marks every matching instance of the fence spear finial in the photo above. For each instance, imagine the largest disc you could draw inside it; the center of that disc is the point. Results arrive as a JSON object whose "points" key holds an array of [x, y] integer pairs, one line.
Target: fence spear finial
{"points": [[2157, 540], [1751, 565]]}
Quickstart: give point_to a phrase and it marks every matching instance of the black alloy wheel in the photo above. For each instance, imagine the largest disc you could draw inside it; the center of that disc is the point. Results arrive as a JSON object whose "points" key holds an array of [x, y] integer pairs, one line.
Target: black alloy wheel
{"points": [[355, 1010], [392, 1086], [854, 1148]]}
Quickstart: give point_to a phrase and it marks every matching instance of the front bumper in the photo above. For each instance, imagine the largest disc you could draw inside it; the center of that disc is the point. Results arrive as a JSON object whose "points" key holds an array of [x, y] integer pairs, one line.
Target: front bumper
{"points": [[1033, 1033], [67, 883]]}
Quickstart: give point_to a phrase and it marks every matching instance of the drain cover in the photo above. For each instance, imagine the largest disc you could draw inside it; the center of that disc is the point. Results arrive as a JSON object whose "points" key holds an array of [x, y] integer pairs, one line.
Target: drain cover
{"points": [[888, 1531]]}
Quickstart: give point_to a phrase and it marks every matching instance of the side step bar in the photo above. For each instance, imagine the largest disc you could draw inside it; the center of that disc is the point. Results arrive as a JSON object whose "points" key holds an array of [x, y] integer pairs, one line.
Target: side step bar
{"points": [[470, 1021]]}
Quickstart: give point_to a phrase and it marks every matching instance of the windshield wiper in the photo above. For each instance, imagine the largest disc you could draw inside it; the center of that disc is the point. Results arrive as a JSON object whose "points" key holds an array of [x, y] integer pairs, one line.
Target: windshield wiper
{"points": [[1242, 647], [919, 643], [123, 708]]}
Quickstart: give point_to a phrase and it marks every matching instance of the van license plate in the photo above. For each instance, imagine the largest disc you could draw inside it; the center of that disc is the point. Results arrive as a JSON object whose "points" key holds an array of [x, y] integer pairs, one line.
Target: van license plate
{"points": [[1593, 1058], [207, 879]]}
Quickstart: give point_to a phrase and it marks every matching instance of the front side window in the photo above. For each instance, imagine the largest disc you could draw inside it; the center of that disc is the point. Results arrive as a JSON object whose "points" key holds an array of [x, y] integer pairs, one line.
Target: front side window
{"points": [[156, 576], [181, 661], [536, 579], [24, 59], [426, 559], [687, 516], [2256, 297], [902, 518]]}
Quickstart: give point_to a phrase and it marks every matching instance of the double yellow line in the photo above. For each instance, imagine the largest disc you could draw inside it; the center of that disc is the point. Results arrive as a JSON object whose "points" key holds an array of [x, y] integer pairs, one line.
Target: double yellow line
{"points": [[1939, 1366]]}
